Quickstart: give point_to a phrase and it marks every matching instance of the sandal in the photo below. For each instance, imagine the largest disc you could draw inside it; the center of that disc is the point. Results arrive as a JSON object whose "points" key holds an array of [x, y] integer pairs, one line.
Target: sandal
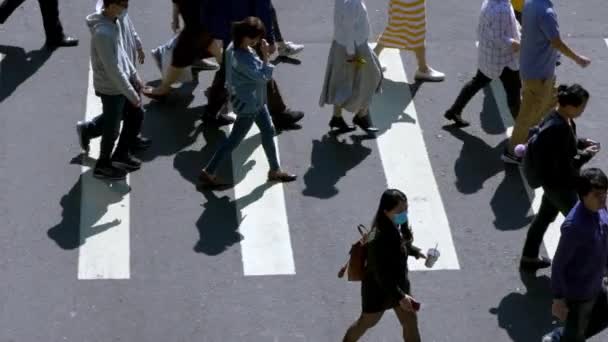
{"points": [[149, 93], [208, 181]]}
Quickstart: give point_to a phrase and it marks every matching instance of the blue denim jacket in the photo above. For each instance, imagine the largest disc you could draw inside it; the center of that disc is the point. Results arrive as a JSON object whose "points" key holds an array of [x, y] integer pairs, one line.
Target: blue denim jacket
{"points": [[246, 79]]}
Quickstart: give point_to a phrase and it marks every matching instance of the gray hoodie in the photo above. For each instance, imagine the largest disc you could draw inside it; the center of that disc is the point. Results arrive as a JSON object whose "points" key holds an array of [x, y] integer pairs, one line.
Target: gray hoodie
{"points": [[131, 40], [112, 68]]}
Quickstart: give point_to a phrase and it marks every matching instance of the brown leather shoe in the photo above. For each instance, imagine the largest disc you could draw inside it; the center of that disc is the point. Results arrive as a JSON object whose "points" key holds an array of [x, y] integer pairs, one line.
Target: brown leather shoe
{"points": [[281, 176], [207, 180]]}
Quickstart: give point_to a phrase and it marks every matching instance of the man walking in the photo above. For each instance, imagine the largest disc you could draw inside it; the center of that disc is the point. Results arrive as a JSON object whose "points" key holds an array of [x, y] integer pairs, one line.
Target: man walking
{"points": [[113, 79], [133, 115], [540, 43], [580, 263], [50, 19], [498, 50]]}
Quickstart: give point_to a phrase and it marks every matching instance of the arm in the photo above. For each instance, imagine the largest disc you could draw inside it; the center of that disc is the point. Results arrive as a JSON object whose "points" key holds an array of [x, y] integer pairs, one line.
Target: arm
{"points": [[550, 27], [566, 249], [105, 47], [252, 68], [346, 24], [408, 235], [136, 38], [500, 29]]}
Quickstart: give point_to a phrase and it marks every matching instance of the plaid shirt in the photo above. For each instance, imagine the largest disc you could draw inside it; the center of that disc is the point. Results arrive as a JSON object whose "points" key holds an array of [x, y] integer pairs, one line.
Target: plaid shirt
{"points": [[497, 26]]}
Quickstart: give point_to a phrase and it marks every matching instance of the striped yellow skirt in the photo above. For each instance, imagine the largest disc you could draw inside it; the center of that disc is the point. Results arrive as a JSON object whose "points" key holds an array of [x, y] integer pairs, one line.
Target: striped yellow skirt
{"points": [[406, 27]]}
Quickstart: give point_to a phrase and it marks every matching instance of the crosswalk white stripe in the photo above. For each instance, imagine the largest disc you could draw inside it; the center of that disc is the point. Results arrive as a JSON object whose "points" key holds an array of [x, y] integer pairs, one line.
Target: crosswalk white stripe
{"points": [[552, 235], [104, 217], [407, 167], [262, 213]]}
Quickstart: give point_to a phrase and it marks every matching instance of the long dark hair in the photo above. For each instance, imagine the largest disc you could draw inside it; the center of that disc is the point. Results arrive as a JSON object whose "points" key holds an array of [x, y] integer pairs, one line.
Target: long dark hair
{"points": [[250, 27], [390, 199]]}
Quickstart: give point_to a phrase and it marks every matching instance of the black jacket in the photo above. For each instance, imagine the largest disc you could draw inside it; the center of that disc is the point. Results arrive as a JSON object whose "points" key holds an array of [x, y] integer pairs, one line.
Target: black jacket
{"points": [[560, 153], [386, 266]]}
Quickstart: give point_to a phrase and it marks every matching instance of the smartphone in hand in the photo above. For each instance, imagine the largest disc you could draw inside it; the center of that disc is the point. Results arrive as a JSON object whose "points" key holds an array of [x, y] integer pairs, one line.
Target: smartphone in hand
{"points": [[415, 304]]}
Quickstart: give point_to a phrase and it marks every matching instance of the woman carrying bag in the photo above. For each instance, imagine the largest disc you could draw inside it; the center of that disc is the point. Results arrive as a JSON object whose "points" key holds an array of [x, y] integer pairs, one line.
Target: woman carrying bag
{"points": [[385, 284]]}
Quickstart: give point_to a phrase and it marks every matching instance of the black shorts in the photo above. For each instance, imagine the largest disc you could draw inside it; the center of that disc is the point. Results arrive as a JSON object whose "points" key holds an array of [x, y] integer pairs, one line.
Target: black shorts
{"points": [[191, 45]]}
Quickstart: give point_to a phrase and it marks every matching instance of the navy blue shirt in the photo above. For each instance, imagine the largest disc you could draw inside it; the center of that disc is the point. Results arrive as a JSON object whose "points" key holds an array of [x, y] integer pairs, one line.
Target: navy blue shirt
{"points": [[220, 15], [582, 255], [537, 57]]}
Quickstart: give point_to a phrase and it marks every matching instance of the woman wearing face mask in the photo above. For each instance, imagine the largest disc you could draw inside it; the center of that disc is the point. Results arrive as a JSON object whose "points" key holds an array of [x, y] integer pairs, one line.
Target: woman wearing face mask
{"points": [[246, 78], [385, 283], [558, 154]]}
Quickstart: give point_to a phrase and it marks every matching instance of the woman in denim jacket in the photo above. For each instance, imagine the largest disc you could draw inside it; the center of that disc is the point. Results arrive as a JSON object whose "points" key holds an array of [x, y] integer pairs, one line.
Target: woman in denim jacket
{"points": [[246, 78]]}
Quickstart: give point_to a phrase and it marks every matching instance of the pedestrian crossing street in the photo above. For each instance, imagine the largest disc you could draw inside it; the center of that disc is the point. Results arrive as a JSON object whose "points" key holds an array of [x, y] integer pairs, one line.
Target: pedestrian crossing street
{"points": [[266, 247]]}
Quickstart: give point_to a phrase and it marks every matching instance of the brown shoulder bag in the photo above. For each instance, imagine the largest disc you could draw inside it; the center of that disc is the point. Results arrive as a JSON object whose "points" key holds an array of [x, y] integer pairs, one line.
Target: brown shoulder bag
{"points": [[355, 266]]}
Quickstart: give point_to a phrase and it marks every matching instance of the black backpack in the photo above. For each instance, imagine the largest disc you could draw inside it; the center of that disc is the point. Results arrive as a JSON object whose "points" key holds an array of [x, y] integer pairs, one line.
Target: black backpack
{"points": [[531, 160]]}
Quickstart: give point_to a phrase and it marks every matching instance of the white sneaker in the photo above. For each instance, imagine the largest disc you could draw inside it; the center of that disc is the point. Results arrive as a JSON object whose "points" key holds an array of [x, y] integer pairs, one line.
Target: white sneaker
{"points": [[554, 336], [289, 49], [430, 75]]}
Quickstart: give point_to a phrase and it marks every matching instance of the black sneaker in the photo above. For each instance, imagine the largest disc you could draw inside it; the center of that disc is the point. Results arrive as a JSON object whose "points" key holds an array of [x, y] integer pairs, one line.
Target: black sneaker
{"points": [[126, 163], [141, 143], [109, 172], [457, 118], [535, 265], [287, 118], [217, 121], [510, 158], [83, 139]]}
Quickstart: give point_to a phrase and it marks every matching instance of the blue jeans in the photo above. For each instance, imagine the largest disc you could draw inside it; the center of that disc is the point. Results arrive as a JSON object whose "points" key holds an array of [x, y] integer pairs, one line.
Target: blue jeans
{"points": [[241, 127]]}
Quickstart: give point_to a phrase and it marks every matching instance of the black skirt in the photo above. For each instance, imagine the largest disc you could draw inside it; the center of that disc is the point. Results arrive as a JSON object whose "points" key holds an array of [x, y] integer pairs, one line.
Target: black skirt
{"points": [[373, 297]]}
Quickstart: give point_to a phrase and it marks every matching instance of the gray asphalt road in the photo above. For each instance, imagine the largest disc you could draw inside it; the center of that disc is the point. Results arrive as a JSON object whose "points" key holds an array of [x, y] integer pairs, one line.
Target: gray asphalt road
{"points": [[187, 281]]}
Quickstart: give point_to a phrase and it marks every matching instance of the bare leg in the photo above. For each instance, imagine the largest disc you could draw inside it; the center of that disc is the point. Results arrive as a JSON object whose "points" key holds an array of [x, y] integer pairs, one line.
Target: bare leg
{"points": [[362, 112], [409, 324], [337, 111], [378, 48], [421, 58], [216, 49], [361, 325]]}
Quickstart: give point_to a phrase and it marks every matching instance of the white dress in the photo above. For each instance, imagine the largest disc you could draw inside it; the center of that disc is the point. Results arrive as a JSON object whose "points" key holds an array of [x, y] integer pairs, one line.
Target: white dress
{"points": [[350, 85]]}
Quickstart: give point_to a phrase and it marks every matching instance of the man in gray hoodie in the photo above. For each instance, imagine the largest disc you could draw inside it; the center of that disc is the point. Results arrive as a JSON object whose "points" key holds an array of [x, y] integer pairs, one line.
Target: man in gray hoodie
{"points": [[133, 116], [115, 80]]}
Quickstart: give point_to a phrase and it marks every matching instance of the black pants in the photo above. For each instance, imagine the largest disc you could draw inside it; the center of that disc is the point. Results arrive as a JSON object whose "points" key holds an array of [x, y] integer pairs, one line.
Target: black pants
{"points": [[585, 319], [510, 81], [50, 16], [217, 95], [278, 37], [554, 201], [107, 125]]}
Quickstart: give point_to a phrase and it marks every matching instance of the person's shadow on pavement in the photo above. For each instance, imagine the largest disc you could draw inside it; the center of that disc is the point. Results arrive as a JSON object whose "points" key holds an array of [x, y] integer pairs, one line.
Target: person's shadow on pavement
{"points": [[17, 66], [330, 161], [218, 225], [172, 126], [527, 317], [479, 162], [388, 107], [72, 231]]}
